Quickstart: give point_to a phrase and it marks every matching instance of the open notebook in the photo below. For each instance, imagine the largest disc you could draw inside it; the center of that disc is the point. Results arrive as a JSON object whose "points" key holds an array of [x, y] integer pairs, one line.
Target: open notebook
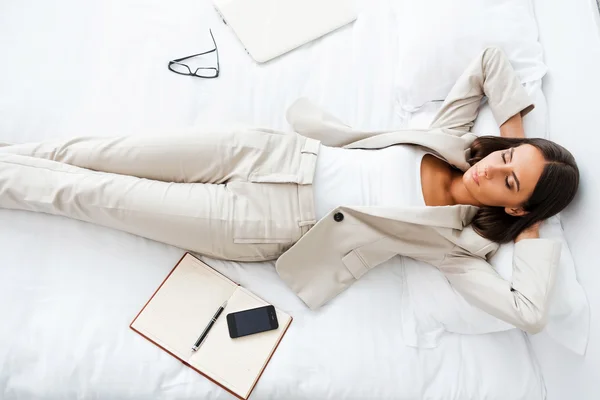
{"points": [[182, 306]]}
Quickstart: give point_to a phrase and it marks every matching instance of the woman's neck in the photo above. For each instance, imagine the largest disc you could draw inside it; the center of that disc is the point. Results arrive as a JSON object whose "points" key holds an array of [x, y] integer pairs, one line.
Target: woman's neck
{"points": [[458, 191]]}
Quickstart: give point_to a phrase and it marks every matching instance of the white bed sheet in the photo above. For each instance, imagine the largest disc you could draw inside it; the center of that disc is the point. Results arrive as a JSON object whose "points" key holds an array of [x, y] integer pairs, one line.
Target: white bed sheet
{"points": [[570, 34], [68, 290]]}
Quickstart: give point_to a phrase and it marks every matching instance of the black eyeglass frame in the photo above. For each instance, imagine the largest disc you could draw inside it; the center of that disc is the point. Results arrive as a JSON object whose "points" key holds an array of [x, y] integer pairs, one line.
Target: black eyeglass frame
{"points": [[216, 70]]}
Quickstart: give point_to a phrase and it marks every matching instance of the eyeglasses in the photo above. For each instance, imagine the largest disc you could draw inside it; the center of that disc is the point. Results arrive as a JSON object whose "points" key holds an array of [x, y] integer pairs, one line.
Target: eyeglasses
{"points": [[180, 68]]}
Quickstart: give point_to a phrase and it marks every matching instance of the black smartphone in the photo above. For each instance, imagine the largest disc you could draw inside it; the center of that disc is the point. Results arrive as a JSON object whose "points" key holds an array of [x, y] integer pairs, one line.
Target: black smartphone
{"points": [[255, 320]]}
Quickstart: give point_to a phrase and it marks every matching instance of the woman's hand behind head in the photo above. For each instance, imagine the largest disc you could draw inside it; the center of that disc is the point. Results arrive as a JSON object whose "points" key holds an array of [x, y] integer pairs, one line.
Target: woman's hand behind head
{"points": [[533, 232]]}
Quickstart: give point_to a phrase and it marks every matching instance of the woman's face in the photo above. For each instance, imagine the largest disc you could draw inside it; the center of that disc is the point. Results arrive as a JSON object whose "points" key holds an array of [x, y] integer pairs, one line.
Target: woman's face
{"points": [[506, 178]]}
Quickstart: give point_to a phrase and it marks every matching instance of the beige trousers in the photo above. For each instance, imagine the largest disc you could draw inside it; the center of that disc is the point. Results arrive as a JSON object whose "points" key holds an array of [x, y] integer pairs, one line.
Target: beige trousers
{"points": [[244, 195]]}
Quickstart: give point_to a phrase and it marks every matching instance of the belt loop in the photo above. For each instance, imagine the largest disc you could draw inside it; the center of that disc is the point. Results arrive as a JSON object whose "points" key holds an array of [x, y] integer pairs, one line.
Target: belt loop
{"points": [[311, 146], [308, 161], [306, 204]]}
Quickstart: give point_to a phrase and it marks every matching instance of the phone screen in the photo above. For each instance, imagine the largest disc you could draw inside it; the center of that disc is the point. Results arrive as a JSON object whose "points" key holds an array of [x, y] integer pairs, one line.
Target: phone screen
{"points": [[255, 320]]}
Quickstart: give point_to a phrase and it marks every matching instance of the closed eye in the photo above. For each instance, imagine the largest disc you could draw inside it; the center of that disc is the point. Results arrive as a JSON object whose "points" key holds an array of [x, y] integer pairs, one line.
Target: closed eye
{"points": [[512, 158], [508, 186]]}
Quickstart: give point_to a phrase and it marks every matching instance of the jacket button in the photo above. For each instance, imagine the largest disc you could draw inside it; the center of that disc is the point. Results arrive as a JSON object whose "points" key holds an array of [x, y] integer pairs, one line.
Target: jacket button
{"points": [[338, 216]]}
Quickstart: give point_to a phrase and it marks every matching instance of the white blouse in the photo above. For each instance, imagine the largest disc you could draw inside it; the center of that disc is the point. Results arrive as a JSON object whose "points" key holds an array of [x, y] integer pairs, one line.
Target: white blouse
{"points": [[354, 177]]}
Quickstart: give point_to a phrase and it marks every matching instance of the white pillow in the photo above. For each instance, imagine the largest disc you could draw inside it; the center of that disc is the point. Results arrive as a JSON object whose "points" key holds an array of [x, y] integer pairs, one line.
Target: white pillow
{"points": [[431, 307], [437, 39]]}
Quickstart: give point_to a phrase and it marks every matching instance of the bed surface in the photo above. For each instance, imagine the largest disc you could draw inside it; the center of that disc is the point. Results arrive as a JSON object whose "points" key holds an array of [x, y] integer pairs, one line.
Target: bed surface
{"points": [[69, 289]]}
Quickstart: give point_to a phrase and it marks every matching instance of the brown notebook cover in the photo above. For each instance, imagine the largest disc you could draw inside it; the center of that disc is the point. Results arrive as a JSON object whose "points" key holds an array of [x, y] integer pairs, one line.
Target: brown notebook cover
{"points": [[183, 305]]}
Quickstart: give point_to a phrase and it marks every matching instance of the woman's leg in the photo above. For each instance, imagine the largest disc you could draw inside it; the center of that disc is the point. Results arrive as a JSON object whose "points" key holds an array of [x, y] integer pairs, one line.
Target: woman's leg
{"points": [[238, 221], [205, 157]]}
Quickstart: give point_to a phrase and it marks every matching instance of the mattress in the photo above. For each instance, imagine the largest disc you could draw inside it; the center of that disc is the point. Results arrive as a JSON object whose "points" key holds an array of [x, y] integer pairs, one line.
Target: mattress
{"points": [[69, 289]]}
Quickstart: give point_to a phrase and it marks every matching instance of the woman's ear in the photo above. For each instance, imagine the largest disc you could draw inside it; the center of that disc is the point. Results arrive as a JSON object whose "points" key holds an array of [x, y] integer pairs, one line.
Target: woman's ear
{"points": [[516, 212]]}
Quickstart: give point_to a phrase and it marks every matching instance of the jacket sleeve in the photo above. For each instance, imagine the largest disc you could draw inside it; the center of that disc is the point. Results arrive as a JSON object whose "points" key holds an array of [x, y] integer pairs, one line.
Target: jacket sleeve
{"points": [[522, 301], [489, 74]]}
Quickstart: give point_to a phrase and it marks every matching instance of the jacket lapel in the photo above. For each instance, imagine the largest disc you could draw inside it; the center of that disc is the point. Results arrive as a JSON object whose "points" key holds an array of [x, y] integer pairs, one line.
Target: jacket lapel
{"points": [[453, 217], [453, 149], [309, 120], [451, 222]]}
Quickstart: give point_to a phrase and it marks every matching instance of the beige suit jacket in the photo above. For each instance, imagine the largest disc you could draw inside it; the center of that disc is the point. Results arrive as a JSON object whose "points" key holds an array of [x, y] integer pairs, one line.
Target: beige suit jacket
{"points": [[350, 241]]}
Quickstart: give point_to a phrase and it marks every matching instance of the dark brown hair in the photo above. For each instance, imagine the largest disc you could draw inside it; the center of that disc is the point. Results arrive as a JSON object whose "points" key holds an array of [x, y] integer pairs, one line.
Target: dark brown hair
{"points": [[554, 191]]}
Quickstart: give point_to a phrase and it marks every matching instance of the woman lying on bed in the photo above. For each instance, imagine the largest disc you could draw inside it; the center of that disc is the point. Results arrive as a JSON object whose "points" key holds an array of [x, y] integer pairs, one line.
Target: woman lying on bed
{"points": [[330, 203]]}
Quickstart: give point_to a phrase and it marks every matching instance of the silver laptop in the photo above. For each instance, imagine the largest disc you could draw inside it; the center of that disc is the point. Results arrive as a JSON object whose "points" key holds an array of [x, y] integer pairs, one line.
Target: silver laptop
{"points": [[269, 28]]}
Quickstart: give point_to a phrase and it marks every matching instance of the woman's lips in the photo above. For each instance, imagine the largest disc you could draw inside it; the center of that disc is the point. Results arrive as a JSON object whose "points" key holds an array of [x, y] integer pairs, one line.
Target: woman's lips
{"points": [[475, 176]]}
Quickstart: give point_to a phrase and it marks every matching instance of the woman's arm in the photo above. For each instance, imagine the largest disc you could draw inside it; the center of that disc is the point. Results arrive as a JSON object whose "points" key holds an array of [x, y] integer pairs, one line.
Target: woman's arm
{"points": [[513, 127], [491, 75], [523, 300]]}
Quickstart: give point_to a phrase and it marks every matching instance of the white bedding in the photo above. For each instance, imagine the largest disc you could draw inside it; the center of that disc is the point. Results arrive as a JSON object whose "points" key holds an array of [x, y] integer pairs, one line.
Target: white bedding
{"points": [[68, 290]]}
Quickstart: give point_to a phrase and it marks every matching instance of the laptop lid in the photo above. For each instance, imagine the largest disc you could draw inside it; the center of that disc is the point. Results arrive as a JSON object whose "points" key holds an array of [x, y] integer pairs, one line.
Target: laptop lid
{"points": [[269, 28]]}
